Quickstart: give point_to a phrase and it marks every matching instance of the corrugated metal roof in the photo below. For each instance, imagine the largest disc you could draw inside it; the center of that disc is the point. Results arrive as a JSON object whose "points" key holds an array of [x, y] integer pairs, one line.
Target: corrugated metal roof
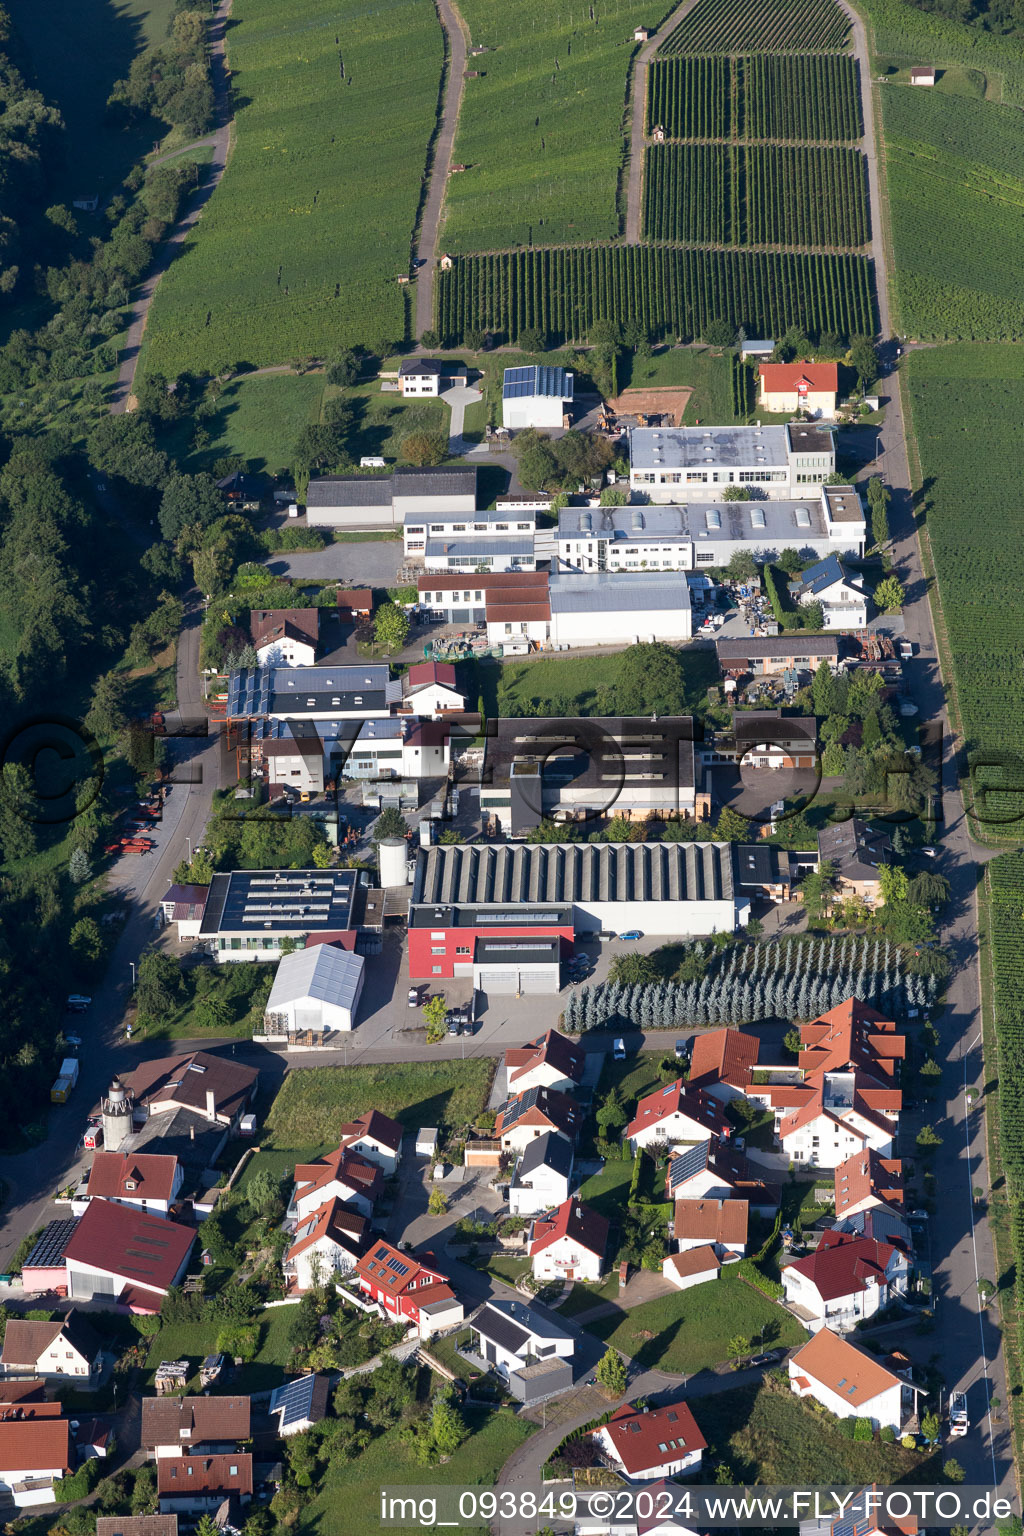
{"points": [[613, 592], [557, 872], [327, 974]]}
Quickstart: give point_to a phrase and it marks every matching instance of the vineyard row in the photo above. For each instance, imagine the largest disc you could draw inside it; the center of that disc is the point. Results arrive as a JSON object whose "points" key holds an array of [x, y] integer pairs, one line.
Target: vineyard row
{"points": [[751, 26], [815, 97]]}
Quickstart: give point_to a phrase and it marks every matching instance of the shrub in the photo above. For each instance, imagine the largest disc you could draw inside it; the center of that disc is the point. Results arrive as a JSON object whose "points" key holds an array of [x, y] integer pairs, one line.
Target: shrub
{"points": [[862, 1430], [847, 1428], [887, 1435], [240, 1341]]}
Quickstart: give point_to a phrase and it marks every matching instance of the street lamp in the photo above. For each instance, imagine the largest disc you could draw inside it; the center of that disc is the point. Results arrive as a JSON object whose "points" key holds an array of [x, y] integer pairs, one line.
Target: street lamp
{"points": [[132, 964], [189, 842]]}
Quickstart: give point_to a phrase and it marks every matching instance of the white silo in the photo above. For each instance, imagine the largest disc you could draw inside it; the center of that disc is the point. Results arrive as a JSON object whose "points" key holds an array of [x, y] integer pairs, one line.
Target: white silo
{"points": [[116, 1109], [393, 857]]}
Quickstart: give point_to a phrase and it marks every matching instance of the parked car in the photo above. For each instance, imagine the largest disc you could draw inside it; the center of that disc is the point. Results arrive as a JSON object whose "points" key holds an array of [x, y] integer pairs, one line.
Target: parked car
{"points": [[959, 1423], [630, 935], [76, 1003], [684, 1050], [619, 1050], [768, 1358], [414, 997], [930, 853], [75, 1041]]}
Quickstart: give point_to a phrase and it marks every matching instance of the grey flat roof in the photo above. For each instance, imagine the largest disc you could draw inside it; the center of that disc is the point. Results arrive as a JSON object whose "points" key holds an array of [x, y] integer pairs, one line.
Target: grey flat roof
{"points": [[460, 480], [781, 645], [349, 491], [264, 902], [255, 691], [583, 753], [700, 447], [757, 864], [844, 504], [611, 591], [487, 547], [474, 917], [759, 522], [541, 873], [517, 952], [481, 515]]}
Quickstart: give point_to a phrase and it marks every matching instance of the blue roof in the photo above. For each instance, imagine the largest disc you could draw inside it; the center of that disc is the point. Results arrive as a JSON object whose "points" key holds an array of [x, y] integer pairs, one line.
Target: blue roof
{"points": [[521, 383]]}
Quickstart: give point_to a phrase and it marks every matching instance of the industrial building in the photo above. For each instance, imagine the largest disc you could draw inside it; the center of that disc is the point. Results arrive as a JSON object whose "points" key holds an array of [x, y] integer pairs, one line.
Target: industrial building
{"points": [[535, 396], [312, 693], [315, 991], [385, 501], [668, 464], [249, 913], [491, 540], [798, 652], [605, 609], [471, 902]]}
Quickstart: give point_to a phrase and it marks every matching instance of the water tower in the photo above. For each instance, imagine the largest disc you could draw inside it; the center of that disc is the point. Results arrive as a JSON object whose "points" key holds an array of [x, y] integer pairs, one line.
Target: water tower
{"points": [[394, 857], [116, 1107]]}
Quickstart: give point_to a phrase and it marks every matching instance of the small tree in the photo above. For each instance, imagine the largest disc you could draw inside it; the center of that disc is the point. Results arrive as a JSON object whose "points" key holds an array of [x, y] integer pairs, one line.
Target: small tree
{"points": [[390, 823], [79, 867], [390, 627], [434, 1011], [611, 1372], [437, 1205], [986, 1290], [424, 448], [731, 826], [791, 1042], [930, 1426], [430, 340], [447, 1426], [952, 1471], [890, 595], [736, 1348], [928, 1138]]}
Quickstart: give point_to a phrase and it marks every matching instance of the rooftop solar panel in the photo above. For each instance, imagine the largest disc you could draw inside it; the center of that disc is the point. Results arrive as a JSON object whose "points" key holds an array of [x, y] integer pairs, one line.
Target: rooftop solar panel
{"points": [[50, 1246], [688, 1163]]}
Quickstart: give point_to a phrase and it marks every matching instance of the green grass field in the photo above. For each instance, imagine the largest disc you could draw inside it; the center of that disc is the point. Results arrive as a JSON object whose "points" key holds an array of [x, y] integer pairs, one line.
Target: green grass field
{"points": [[381, 421], [193, 1341], [690, 1330], [542, 129], [312, 1104], [77, 52], [349, 1502], [260, 419], [956, 185], [299, 249], [543, 686], [966, 406]]}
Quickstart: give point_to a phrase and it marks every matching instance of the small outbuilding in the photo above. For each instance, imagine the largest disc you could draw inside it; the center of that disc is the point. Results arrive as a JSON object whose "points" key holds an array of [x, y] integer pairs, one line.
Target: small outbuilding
{"points": [[923, 74], [426, 1141]]}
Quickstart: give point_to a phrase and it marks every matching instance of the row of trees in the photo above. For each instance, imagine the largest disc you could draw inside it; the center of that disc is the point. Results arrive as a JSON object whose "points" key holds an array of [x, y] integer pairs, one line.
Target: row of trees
{"points": [[171, 81]]}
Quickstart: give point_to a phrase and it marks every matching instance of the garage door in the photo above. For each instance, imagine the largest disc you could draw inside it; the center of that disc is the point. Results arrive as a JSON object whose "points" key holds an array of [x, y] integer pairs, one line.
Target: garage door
{"points": [[502, 982], [539, 981]]}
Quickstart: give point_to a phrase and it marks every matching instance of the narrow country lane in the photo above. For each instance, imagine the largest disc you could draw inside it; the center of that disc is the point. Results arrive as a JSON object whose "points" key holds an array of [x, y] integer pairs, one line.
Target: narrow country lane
{"points": [[430, 223], [638, 110]]}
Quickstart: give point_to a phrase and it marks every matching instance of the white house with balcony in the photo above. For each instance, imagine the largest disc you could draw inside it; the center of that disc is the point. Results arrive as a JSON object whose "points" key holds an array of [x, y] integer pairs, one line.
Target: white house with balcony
{"points": [[569, 1243], [846, 1279], [851, 1383]]}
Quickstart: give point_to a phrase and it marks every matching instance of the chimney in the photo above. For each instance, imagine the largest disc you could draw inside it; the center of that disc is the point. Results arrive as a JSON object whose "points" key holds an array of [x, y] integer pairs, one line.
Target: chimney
{"points": [[211, 1105], [191, 1133]]}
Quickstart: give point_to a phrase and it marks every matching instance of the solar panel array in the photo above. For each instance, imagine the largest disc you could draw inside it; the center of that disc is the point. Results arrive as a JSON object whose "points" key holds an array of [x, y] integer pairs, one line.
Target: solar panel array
{"points": [[296, 1398], [687, 1163], [49, 1249]]}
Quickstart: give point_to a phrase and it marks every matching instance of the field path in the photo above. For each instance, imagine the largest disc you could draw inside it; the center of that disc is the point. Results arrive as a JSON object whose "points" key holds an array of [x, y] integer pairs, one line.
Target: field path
{"points": [[430, 224], [870, 144], [221, 141], [172, 154], [634, 186]]}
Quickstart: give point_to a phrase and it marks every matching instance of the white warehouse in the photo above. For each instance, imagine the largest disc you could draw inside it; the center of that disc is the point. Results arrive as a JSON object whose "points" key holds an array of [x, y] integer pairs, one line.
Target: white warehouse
{"points": [[316, 990], [535, 396], [607, 609]]}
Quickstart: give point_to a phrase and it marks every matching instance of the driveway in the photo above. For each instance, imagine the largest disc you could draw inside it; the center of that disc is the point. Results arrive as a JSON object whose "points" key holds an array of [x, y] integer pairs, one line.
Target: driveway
{"points": [[364, 562], [457, 399]]}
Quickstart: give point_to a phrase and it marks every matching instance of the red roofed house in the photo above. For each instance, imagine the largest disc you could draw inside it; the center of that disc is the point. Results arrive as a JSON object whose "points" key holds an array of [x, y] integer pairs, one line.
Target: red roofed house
{"points": [[722, 1223], [716, 1171], [866, 1181], [193, 1425], [849, 1382], [428, 688], [851, 1035], [340, 1175], [197, 1485], [846, 1278], [840, 1121], [285, 637], [569, 1243], [676, 1113], [550, 1061], [722, 1063], [148, 1181], [530, 1114], [329, 1241], [694, 1267], [810, 387], [32, 1453], [374, 1136], [659, 1442], [355, 603], [123, 1255], [408, 1289]]}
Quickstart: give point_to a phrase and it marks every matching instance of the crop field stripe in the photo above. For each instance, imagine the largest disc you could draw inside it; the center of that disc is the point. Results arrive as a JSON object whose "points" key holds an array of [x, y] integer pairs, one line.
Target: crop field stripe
{"points": [[814, 97], [741, 26]]}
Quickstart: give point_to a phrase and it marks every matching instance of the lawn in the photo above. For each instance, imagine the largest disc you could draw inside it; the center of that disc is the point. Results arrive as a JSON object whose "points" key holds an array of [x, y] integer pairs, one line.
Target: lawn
{"points": [[955, 165], [349, 1502], [966, 405], [541, 129], [299, 250], [606, 1191], [77, 53], [382, 420], [193, 1341], [708, 373], [313, 1103], [260, 419], [690, 1331], [768, 1436], [583, 685], [584, 1298]]}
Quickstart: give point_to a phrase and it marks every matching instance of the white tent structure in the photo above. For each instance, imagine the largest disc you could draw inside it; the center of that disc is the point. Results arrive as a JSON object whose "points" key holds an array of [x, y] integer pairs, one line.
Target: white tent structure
{"points": [[316, 989]]}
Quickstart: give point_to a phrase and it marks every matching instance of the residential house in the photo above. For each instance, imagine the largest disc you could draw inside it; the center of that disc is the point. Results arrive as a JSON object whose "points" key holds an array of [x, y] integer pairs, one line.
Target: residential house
{"points": [[375, 1137], [315, 992], [215, 1087], [409, 1289], [550, 1061], [766, 738], [655, 1442], [285, 637], [120, 1254], [199, 1485], [535, 396], [836, 1122], [514, 605], [852, 1035], [696, 1266], [329, 1240], [428, 376], [769, 656], [720, 1223], [339, 1175], [710, 1170], [676, 1114], [569, 1243], [530, 1114], [542, 1177], [300, 1403], [809, 387], [429, 690], [510, 1335], [867, 1182], [849, 1382], [147, 1181], [33, 1452], [354, 603], [194, 1425], [722, 1063], [242, 491], [846, 1279], [857, 853], [844, 602], [68, 1346]]}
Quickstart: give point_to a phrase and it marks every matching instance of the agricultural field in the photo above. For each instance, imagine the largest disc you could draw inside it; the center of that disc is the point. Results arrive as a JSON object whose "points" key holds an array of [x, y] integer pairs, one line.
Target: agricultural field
{"points": [[671, 292], [300, 247], [903, 34], [756, 195], [812, 97], [955, 165], [542, 128], [967, 403], [312, 1104], [750, 26]]}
